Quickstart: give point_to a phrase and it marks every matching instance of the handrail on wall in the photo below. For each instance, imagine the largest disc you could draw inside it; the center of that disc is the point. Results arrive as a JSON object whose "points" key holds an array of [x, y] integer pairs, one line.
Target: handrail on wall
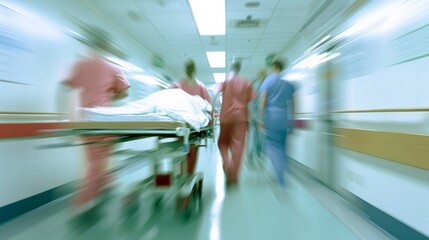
{"points": [[380, 110], [32, 113], [405, 148], [423, 109]]}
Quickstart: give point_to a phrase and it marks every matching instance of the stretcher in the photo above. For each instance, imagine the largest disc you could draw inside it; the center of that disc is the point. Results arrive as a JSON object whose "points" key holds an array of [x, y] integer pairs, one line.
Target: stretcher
{"points": [[173, 142]]}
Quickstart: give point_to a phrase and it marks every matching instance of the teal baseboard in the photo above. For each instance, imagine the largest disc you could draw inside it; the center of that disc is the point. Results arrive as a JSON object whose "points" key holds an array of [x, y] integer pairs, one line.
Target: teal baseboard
{"points": [[16, 209], [389, 224]]}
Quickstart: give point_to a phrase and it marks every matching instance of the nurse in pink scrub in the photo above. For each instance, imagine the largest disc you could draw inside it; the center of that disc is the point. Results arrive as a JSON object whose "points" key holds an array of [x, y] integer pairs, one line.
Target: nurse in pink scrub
{"points": [[237, 93], [101, 83], [194, 87]]}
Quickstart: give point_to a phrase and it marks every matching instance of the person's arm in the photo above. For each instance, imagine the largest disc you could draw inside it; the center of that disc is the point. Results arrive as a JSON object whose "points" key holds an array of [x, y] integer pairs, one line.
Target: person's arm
{"points": [[121, 87], [263, 94], [251, 96], [206, 95], [218, 90], [68, 91], [121, 95], [292, 115], [262, 103], [174, 85], [292, 107]]}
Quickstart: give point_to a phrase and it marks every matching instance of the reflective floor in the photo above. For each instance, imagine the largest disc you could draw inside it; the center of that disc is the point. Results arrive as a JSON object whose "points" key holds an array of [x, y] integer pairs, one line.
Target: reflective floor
{"points": [[255, 209]]}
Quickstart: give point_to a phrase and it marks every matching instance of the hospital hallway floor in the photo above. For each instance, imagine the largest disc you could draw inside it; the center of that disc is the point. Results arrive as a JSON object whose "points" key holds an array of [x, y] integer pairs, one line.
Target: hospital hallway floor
{"points": [[254, 209]]}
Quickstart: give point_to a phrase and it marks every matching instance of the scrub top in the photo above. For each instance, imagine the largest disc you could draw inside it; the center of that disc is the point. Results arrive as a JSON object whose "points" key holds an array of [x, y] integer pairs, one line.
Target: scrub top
{"points": [[279, 92], [197, 90], [237, 93], [100, 81]]}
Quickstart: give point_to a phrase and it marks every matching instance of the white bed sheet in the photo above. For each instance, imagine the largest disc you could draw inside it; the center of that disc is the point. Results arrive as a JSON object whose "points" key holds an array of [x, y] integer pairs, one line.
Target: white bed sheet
{"points": [[173, 103], [127, 117]]}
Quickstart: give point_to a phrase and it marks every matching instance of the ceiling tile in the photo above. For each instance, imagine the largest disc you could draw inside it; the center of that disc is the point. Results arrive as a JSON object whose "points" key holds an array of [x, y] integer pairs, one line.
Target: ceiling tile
{"points": [[167, 28], [302, 4], [242, 15], [239, 5], [153, 7], [283, 23]]}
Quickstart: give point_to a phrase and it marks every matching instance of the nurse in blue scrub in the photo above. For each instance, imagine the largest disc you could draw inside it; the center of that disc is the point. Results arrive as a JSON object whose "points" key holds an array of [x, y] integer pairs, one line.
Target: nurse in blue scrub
{"points": [[276, 115]]}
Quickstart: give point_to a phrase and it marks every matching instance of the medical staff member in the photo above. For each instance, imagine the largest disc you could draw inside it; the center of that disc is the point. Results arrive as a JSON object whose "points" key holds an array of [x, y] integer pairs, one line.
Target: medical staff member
{"points": [[237, 93], [255, 141], [276, 117], [101, 83], [193, 87]]}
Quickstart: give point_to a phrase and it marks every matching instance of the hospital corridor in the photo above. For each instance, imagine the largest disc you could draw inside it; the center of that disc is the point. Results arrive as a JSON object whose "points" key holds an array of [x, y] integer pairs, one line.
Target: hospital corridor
{"points": [[254, 209], [214, 119]]}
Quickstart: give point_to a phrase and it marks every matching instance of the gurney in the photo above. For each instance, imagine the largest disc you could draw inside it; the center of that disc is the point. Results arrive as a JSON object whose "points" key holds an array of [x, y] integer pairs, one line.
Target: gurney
{"points": [[173, 138], [178, 120], [173, 141]]}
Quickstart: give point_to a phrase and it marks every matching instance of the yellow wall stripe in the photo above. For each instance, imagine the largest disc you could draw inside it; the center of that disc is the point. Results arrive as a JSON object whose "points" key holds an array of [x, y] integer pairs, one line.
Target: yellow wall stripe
{"points": [[409, 149]]}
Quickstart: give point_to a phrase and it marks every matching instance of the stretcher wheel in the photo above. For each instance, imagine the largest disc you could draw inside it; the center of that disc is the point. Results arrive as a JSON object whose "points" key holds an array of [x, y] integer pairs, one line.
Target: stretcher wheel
{"points": [[200, 188], [131, 209], [194, 204], [157, 203]]}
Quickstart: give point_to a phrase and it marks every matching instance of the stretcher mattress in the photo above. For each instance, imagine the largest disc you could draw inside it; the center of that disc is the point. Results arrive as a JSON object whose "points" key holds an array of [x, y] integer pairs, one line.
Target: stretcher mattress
{"points": [[173, 103], [145, 125], [150, 117]]}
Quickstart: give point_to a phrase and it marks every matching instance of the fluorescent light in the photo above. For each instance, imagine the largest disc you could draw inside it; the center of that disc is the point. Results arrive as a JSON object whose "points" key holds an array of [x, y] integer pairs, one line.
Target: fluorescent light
{"points": [[315, 60], [209, 16], [295, 76], [323, 40], [216, 59], [219, 77]]}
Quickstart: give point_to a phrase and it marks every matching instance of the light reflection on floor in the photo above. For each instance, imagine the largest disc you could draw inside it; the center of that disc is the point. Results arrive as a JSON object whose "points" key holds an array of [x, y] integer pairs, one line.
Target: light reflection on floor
{"points": [[251, 210], [216, 209]]}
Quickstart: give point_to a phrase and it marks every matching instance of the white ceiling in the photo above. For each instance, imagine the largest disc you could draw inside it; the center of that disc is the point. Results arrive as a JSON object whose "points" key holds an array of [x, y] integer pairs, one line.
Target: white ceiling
{"points": [[166, 28]]}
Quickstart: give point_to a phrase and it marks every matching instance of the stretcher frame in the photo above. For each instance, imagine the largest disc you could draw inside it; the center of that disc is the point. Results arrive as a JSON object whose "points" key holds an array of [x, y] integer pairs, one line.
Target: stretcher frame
{"points": [[186, 189]]}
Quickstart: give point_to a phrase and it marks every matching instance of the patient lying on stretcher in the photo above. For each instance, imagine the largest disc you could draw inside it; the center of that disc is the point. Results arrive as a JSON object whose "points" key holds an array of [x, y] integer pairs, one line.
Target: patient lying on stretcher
{"points": [[164, 105]]}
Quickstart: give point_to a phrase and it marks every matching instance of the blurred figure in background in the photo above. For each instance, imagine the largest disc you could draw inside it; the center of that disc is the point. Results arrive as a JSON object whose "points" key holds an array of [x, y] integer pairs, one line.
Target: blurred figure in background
{"points": [[237, 93], [276, 117], [193, 87], [100, 83], [255, 140]]}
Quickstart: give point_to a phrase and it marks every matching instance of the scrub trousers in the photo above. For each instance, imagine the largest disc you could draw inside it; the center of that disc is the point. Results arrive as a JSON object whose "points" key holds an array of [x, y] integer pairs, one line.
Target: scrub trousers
{"points": [[232, 139], [276, 128], [96, 174]]}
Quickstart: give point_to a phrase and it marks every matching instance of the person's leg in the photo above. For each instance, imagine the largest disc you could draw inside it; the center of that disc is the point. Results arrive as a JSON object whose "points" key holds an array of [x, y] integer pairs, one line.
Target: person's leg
{"points": [[192, 159], [96, 171], [105, 178], [249, 145], [259, 143], [275, 149], [277, 157], [275, 139], [238, 138], [223, 144], [287, 161]]}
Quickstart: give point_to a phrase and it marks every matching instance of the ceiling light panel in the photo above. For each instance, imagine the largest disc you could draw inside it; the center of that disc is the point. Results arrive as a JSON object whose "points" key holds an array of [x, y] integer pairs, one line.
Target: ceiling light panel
{"points": [[209, 16], [216, 59], [219, 77]]}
